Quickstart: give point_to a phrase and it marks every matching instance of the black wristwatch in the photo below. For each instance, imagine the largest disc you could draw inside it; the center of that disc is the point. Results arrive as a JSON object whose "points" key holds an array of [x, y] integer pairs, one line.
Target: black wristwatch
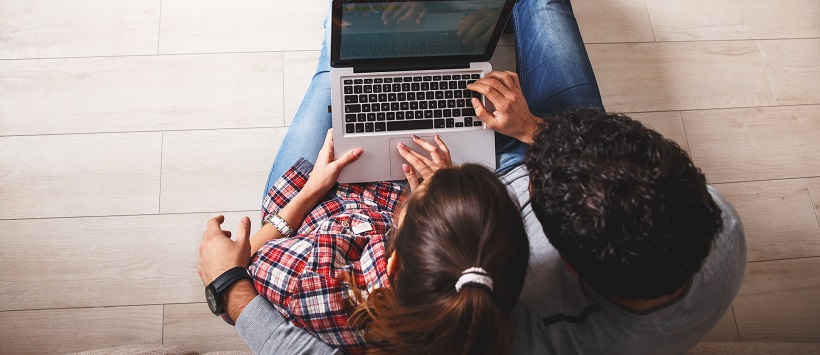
{"points": [[213, 292]]}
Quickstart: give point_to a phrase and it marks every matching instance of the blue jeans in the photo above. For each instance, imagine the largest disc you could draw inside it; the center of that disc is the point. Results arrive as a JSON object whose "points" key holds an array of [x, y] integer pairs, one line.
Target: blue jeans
{"points": [[553, 67]]}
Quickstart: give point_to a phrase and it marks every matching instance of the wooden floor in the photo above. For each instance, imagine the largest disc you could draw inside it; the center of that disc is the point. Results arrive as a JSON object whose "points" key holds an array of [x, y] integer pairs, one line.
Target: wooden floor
{"points": [[124, 125]]}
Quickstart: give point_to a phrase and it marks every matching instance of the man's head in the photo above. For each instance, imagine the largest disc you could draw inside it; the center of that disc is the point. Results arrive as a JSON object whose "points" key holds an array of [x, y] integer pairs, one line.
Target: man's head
{"points": [[624, 206]]}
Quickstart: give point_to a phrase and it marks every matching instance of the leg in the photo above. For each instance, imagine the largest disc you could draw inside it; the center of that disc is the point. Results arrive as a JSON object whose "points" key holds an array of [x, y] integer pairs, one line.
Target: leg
{"points": [[553, 67], [307, 132]]}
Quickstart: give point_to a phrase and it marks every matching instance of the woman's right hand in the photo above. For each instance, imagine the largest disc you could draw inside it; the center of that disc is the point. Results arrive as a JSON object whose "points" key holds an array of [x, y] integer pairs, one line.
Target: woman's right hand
{"points": [[327, 168], [420, 166]]}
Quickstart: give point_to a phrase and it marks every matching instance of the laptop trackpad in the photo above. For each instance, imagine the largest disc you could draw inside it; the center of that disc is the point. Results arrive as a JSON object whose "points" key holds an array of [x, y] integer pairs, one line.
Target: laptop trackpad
{"points": [[396, 160]]}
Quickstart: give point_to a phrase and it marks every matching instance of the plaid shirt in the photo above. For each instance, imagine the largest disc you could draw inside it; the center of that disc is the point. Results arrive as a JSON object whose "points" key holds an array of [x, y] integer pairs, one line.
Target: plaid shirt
{"points": [[305, 277]]}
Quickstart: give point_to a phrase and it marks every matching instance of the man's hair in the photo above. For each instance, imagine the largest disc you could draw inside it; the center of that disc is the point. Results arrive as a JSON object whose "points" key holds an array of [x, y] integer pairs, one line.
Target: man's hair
{"points": [[462, 217], [624, 206]]}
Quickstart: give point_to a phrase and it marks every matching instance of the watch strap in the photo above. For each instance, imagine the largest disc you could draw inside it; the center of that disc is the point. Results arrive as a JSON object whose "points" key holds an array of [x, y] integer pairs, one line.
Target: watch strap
{"points": [[280, 224], [227, 279]]}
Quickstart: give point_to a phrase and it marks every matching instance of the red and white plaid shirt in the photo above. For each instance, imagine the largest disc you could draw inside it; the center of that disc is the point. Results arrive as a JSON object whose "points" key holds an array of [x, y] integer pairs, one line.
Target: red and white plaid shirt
{"points": [[305, 277]]}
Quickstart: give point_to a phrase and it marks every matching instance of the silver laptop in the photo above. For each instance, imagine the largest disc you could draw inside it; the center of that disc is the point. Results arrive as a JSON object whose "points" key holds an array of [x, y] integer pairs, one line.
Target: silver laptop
{"points": [[391, 81]]}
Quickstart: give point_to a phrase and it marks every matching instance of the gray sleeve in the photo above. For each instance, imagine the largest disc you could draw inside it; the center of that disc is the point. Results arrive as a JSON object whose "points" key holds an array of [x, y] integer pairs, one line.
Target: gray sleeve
{"points": [[267, 332]]}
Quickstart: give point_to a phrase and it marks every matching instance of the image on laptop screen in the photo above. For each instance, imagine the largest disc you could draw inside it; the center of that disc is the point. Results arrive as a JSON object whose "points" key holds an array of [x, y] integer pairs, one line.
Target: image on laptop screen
{"points": [[365, 35]]}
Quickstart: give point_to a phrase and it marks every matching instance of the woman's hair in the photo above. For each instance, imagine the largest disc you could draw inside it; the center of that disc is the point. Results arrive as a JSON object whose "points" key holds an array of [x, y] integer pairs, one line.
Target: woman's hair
{"points": [[462, 218]]}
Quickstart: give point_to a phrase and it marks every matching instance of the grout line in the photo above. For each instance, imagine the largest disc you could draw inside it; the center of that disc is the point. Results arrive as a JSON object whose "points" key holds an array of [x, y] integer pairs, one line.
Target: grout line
{"points": [[762, 180], [146, 131], [811, 199], [766, 69], [155, 55], [284, 84], [783, 259], [127, 215], [99, 307], [686, 136], [159, 25], [162, 337], [649, 17], [737, 328]]}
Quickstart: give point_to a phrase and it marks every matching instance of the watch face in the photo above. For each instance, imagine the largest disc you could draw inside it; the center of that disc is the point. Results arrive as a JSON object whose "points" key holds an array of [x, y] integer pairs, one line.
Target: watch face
{"points": [[213, 300]]}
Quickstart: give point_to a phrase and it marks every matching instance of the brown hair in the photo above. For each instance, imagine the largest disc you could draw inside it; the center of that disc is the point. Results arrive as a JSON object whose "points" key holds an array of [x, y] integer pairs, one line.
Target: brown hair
{"points": [[463, 218]]}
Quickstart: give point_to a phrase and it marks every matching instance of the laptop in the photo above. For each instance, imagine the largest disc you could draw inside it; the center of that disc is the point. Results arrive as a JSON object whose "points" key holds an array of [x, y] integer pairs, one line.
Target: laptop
{"points": [[392, 81]]}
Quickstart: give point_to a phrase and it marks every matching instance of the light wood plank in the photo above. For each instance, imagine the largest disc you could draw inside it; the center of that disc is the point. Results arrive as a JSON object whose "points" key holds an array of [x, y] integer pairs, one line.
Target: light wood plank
{"points": [[103, 261], [48, 29], [193, 326], [777, 217], [696, 20], [725, 330], [220, 170], [669, 124], [814, 191], [63, 331], [778, 301], [140, 93], [794, 69], [608, 21], [299, 69], [755, 144], [191, 26], [79, 175], [679, 76]]}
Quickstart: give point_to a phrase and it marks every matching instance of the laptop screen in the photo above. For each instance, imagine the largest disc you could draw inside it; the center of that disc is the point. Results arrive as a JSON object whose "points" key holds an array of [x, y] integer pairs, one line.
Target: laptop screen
{"points": [[467, 30]]}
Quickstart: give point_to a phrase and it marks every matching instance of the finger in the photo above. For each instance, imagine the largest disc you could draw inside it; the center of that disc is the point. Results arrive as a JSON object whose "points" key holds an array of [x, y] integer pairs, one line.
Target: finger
{"points": [[490, 92], [499, 87], [505, 78], [348, 158], [407, 16], [484, 115], [416, 160], [227, 233], [326, 153], [422, 15], [429, 147], [514, 76], [412, 180], [465, 24], [482, 28], [243, 234], [443, 147], [215, 223]]}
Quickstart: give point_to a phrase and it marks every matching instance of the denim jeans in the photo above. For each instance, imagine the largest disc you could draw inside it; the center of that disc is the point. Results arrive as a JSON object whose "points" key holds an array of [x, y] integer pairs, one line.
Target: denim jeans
{"points": [[553, 67]]}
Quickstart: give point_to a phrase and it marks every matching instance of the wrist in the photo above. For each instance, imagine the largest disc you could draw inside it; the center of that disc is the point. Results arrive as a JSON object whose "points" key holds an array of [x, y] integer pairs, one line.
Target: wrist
{"points": [[237, 297], [532, 127]]}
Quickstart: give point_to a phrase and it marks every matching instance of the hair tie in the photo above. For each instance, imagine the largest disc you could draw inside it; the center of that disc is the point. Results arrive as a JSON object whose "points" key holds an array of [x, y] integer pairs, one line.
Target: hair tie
{"points": [[474, 275]]}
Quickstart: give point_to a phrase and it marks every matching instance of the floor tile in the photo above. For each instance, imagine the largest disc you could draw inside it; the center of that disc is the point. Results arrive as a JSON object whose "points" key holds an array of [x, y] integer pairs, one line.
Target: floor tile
{"points": [[49, 29], [299, 69], [219, 170], [79, 175], [697, 20], [725, 330], [60, 331], [680, 76], [777, 217], [794, 69], [755, 143], [669, 124], [141, 93], [193, 326], [609, 21]]}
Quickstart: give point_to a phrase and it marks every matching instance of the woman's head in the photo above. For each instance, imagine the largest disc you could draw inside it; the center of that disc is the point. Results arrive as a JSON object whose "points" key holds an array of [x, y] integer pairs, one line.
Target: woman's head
{"points": [[462, 217]]}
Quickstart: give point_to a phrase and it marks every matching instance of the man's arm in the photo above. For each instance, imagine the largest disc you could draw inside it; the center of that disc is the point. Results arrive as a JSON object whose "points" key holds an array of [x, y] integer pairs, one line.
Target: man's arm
{"points": [[257, 322], [512, 116]]}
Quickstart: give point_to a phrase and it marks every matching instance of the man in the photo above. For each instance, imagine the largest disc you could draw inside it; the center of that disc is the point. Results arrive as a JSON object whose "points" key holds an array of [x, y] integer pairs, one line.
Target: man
{"points": [[610, 307]]}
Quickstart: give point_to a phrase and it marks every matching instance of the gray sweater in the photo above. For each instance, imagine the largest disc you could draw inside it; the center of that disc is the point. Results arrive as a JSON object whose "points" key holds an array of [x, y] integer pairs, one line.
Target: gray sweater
{"points": [[558, 313]]}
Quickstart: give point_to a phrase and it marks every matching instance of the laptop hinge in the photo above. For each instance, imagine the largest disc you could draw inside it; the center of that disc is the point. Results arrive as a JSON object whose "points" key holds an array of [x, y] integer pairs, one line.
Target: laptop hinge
{"points": [[431, 65]]}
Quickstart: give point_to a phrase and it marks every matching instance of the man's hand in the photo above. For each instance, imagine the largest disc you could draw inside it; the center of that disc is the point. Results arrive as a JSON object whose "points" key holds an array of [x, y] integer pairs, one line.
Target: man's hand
{"points": [[218, 253], [404, 12], [512, 116], [476, 29], [421, 166], [327, 168]]}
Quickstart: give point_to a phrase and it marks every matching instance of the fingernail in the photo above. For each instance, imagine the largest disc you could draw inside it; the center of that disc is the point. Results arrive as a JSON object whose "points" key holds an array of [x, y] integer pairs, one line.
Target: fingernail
{"points": [[402, 146], [416, 137], [406, 169], [437, 136], [246, 220], [358, 151]]}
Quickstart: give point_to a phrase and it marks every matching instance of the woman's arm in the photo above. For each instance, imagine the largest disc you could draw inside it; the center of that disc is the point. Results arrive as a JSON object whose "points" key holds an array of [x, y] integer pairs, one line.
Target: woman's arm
{"points": [[322, 178]]}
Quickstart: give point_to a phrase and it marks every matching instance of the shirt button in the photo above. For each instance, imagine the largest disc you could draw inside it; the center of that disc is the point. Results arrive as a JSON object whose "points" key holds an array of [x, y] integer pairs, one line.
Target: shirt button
{"points": [[345, 224]]}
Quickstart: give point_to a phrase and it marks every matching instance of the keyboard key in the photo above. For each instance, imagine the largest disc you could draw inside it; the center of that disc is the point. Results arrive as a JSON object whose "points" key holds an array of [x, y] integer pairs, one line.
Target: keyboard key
{"points": [[388, 80], [468, 121], [462, 84], [447, 112], [415, 87], [402, 96], [385, 107], [363, 98], [394, 106], [419, 114], [361, 117], [375, 107], [437, 77], [451, 103], [380, 116], [351, 99], [365, 108], [449, 122], [477, 123], [411, 96], [475, 76], [371, 117], [380, 126], [382, 97], [456, 112], [350, 117], [358, 81], [399, 115], [386, 88], [377, 80], [460, 103], [431, 104], [452, 85], [416, 78], [348, 82], [445, 77], [404, 106], [391, 97], [414, 105], [407, 79], [427, 78], [459, 124], [409, 125], [423, 105], [359, 127], [442, 85], [428, 114], [467, 102], [368, 81], [368, 89], [467, 93], [438, 114], [350, 128], [442, 103], [405, 87], [353, 108], [373, 98], [439, 94], [438, 124], [456, 77], [425, 86], [368, 127], [391, 116], [408, 115], [348, 89], [434, 86], [448, 94], [396, 88], [357, 89], [377, 88], [429, 95], [457, 94], [397, 80], [468, 111]]}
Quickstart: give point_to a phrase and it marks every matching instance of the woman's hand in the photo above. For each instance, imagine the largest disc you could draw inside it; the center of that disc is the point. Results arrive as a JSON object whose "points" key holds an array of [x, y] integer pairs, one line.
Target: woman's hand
{"points": [[423, 168], [512, 116], [327, 168]]}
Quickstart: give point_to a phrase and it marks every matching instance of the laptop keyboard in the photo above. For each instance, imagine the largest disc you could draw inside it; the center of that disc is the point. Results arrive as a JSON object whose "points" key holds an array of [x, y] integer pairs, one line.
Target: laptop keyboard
{"points": [[401, 103]]}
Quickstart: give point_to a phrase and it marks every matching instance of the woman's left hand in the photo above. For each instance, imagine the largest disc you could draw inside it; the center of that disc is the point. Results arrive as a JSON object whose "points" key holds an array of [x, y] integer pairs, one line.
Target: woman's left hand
{"points": [[420, 166], [327, 168]]}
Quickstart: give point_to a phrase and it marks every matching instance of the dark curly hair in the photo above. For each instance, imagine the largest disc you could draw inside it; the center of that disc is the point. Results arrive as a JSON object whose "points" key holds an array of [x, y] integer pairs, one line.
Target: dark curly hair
{"points": [[624, 206]]}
